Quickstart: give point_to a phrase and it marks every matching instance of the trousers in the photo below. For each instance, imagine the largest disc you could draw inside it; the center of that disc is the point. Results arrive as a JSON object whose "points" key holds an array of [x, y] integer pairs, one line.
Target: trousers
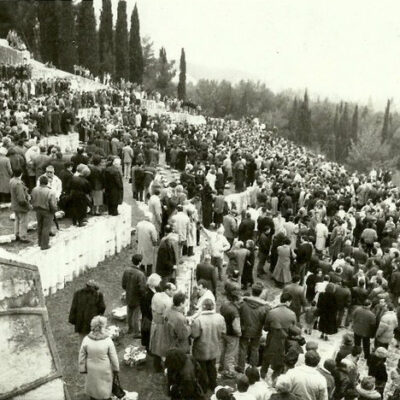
{"points": [[44, 221], [229, 352], [133, 319]]}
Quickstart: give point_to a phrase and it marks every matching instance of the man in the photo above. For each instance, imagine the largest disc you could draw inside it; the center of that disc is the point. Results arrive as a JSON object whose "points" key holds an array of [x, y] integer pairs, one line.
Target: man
{"points": [[264, 246], [79, 158], [303, 253], [343, 301], [230, 224], [20, 205], [206, 271], [364, 324], [134, 283], [387, 324], [86, 304], [155, 208], [246, 228], [45, 204], [297, 293], [230, 342], [65, 176], [166, 256], [177, 328], [40, 162], [277, 324], [394, 285], [306, 382], [147, 240], [54, 181], [253, 311], [127, 158], [181, 223], [204, 294], [207, 331]]}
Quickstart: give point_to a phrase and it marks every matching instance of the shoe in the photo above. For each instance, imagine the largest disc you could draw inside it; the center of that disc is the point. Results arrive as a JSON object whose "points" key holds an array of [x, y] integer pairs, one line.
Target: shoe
{"points": [[17, 238], [137, 336], [52, 234], [45, 248], [24, 240]]}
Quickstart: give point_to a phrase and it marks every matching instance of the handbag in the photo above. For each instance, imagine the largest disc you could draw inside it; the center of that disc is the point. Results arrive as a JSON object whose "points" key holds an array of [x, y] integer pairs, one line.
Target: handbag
{"points": [[117, 390]]}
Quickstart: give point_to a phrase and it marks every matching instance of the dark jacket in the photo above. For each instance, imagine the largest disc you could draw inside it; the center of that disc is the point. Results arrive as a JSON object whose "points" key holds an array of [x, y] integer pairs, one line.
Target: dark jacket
{"points": [[377, 369], [86, 304], [231, 314], [327, 310], [364, 322], [166, 258], [343, 297], [209, 273], [246, 229], [134, 282], [298, 297], [358, 295], [113, 185], [395, 283], [253, 311]]}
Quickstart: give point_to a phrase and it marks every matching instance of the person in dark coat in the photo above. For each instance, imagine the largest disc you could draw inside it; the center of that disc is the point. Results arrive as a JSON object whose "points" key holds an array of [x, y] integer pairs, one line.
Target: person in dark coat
{"points": [[79, 192], [246, 228], [297, 294], [205, 270], [134, 282], [185, 378], [86, 304], [79, 158], [278, 240], [207, 204], [114, 187], [55, 121], [311, 282], [166, 256], [377, 368], [343, 301], [327, 311], [153, 283]]}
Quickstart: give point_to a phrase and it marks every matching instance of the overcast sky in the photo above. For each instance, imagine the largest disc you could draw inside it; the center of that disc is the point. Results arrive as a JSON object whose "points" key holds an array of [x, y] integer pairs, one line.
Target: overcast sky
{"points": [[344, 48]]}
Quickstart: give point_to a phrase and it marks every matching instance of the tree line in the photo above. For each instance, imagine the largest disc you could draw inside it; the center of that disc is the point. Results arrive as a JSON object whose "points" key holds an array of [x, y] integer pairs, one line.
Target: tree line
{"points": [[65, 33]]}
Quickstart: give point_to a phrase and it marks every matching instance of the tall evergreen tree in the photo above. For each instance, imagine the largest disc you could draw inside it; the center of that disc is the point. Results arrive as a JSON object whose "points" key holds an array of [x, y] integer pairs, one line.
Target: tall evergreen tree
{"points": [[354, 125], [304, 121], [106, 39], [182, 77], [67, 56], [88, 49], [292, 120], [344, 133], [49, 26], [385, 127], [336, 134], [136, 66], [165, 73], [121, 43]]}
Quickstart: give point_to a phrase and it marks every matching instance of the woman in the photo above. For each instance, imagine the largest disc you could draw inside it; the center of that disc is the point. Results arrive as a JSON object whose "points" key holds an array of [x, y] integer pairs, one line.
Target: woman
{"points": [[113, 185], [78, 199], [321, 232], [153, 282], [282, 274], [98, 360], [96, 180], [159, 304], [327, 311], [184, 376], [311, 282], [337, 239], [207, 204]]}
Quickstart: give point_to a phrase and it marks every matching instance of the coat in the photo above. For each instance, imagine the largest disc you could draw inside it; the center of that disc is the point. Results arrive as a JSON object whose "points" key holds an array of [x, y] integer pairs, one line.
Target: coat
{"points": [[209, 273], [98, 359], [86, 304], [207, 331], [246, 229], [298, 297], [160, 303], [177, 330], [5, 174], [166, 257], [327, 311], [134, 282], [282, 269], [147, 239], [364, 322], [252, 312], [147, 316], [113, 185], [387, 325], [19, 196]]}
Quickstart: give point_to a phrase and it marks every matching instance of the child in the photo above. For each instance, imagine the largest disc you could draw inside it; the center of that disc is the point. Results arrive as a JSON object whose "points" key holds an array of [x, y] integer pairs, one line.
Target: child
{"points": [[310, 316]]}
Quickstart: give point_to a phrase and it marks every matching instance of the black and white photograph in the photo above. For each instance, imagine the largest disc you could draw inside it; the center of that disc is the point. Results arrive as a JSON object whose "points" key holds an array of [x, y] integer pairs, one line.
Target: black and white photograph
{"points": [[199, 200]]}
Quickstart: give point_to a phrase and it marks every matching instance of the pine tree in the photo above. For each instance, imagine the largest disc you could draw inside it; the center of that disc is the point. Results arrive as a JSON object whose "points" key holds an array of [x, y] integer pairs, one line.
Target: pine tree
{"points": [[106, 39], [121, 43], [354, 125], [293, 117], [304, 121], [344, 133], [48, 19], [67, 56], [88, 49], [182, 77], [165, 73], [385, 127], [136, 66]]}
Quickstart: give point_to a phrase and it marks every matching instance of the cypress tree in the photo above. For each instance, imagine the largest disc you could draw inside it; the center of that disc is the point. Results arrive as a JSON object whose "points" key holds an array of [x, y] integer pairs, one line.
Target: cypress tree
{"points": [[121, 43], [344, 132], [385, 127], [335, 129], [136, 66], [67, 56], [48, 19], [292, 124], [304, 121], [106, 39], [165, 72], [354, 125], [182, 77], [88, 50]]}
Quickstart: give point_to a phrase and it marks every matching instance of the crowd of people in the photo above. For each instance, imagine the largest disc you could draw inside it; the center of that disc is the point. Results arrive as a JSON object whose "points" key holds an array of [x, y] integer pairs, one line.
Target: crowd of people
{"points": [[261, 209]]}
